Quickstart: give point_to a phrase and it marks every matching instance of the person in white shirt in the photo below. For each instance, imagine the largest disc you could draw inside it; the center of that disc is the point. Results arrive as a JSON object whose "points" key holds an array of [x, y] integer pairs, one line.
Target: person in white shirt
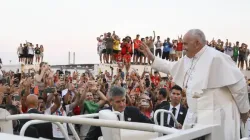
{"points": [[100, 48], [158, 45], [20, 52], [30, 53], [229, 49], [54, 107]]}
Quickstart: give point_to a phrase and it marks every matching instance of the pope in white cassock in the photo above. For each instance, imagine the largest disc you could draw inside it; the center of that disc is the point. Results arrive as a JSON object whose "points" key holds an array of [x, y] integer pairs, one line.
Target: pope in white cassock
{"points": [[216, 89]]}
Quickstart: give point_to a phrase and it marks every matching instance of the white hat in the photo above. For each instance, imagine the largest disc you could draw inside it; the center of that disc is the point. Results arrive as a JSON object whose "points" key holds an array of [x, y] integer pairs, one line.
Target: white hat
{"points": [[64, 92]]}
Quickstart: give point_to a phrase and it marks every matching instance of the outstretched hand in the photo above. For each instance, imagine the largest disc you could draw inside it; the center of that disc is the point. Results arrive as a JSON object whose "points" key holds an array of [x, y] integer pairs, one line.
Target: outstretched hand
{"points": [[146, 51]]}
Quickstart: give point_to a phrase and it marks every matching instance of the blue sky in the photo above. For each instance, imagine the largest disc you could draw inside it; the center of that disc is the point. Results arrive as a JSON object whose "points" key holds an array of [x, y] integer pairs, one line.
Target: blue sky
{"points": [[64, 25]]}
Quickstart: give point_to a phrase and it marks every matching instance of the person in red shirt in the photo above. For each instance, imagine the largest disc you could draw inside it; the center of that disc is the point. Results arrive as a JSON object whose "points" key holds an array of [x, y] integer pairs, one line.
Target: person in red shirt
{"points": [[126, 46], [123, 47], [119, 60], [127, 61], [137, 43], [156, 78], [179, 48]]}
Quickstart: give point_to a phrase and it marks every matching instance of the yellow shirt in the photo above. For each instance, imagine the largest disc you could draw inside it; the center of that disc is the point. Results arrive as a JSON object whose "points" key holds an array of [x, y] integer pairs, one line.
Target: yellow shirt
{"points": [[116, 45]]}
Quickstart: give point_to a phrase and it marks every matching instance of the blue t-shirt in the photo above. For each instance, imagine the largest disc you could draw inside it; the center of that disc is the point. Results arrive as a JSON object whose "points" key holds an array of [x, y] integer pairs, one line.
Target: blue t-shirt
{"points": [[166, 47]]}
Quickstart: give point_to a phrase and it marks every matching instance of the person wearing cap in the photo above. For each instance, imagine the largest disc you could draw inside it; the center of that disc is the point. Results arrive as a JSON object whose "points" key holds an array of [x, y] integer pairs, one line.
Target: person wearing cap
{"points": [[70, 98]]}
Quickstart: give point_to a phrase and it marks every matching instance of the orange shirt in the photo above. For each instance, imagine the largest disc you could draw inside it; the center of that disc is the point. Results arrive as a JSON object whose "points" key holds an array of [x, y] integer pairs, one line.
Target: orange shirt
{"points": [[119, 58], [36, 90], [179, 46], [155, 80], [137, 43]]}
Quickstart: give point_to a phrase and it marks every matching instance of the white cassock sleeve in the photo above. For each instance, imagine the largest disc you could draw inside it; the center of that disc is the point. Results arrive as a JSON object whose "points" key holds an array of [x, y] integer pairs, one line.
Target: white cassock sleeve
{"points": [[240, 94], [163, 65]]}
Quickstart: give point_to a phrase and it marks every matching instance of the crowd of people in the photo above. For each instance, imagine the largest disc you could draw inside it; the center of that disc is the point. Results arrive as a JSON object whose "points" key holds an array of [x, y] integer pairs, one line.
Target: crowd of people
{"points": [[112, 49], [56, 93], [26, 53], [138, 95]]}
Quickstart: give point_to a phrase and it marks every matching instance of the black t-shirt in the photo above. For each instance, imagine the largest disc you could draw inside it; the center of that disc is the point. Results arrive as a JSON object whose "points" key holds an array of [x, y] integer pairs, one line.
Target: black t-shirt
{"points": [[147, 81], [25, 50], [37, 51], [109, 42]]}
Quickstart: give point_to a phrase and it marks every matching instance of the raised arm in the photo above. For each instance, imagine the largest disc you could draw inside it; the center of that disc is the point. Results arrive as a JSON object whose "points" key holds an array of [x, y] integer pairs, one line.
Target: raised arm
{"points": [[39, 77], [158, 63], [154, 36], [57, 102]]}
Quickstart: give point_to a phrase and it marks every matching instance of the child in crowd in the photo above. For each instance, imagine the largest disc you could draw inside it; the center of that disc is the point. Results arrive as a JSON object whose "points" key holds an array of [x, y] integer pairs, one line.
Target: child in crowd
{"points": [[127, 61]]}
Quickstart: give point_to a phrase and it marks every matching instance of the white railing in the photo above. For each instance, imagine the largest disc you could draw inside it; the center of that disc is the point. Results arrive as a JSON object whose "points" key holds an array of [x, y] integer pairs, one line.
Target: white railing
{"points": [[64, 132], [163, 111], [211, 132], [195, 133], [245, 139], [95, 122], [93, 115], [27, 124]]}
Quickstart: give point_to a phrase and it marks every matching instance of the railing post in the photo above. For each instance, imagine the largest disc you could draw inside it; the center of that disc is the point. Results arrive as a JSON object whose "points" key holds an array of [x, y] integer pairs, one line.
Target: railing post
{"points": [[5, 126]]}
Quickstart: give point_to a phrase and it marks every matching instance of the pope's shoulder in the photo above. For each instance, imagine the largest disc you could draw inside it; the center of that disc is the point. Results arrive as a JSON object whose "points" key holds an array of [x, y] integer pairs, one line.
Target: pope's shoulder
{"points": [[213, 53]]}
